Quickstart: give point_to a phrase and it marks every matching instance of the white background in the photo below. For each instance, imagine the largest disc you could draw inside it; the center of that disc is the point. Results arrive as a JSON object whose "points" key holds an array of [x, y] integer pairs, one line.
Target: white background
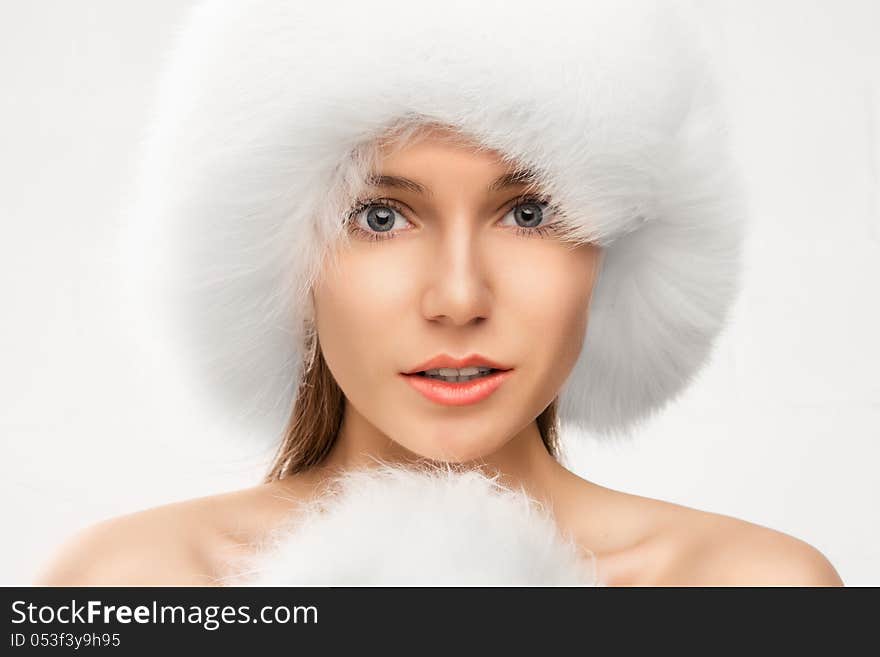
{"points": [[781, 429]]}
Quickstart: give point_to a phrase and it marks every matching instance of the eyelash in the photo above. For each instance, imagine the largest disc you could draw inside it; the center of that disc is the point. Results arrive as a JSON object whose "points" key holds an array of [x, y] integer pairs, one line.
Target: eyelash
{"points": [[362, 205]]}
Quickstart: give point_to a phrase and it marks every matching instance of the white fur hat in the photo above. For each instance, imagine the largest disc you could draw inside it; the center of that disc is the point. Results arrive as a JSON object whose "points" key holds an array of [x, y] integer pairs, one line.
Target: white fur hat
{"points": [[263, 101]]}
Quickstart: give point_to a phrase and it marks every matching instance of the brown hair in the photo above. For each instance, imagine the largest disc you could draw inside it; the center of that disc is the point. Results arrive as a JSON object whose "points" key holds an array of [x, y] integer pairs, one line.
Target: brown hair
{"points": [[317, 415]]}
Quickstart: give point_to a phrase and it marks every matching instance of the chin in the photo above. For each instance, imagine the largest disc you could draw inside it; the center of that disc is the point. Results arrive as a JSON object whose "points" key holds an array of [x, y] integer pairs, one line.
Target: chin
{"points": [[444, 450]]}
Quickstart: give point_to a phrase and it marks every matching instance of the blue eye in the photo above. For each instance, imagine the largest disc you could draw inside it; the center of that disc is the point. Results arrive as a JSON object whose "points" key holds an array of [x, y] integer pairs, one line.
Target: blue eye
{"points": [[375, 219], [530, 216]]}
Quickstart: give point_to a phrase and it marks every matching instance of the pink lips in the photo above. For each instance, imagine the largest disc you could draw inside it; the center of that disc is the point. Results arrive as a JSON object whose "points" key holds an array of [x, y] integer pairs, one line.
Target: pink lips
{"points": [[460, 393], [445, 360]]}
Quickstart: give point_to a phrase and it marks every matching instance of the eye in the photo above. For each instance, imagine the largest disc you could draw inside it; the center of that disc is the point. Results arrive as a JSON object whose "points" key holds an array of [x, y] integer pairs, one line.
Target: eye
{"points": [[375, 219], [530, 216]]}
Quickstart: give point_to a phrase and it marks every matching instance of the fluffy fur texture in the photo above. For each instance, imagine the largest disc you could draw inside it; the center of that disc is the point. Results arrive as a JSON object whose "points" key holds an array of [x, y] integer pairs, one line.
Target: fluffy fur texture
{"points": [[252, 160], [406, 526]]}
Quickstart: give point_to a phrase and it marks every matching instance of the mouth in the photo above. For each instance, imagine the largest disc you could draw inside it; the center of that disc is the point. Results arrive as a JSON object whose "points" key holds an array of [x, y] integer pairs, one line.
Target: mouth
{"points": [[452, 381], [457, 387], [472, 365], [454, 375]]}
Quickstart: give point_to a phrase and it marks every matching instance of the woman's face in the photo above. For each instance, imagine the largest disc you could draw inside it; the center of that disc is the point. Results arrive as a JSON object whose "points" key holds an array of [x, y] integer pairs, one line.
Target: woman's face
{"points": [[456, 268]]}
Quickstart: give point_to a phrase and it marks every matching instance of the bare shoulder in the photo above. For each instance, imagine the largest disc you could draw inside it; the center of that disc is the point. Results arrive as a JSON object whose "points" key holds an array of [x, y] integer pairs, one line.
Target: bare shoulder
{"points": [[164, 545], [659, 543], [716, 550], [185, 543]]}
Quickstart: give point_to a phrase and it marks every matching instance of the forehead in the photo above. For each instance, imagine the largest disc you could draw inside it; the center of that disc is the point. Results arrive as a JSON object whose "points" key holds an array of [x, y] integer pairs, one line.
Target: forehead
{"points": [[436, 153], [429, 144]]}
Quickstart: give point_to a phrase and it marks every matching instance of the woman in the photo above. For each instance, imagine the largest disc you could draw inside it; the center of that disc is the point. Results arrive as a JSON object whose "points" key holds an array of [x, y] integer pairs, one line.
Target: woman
{"points": [[350, 210]]}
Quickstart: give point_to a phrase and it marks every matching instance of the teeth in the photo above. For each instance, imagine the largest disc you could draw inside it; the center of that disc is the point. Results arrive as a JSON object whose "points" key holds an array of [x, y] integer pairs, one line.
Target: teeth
{"points": [[453, 375], [464, 371]]}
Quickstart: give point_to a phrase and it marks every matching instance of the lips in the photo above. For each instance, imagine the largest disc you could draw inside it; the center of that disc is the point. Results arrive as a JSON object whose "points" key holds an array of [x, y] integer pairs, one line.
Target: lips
{"points": [[457, 393], [444, 360]]}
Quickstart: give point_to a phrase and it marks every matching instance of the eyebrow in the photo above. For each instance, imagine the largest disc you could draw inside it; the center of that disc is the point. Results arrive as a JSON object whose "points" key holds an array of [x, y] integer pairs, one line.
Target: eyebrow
{"points": [[522, 177]]}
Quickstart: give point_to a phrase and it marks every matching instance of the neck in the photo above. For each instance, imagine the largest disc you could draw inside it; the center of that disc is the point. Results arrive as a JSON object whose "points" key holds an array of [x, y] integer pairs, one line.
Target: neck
{"points": [[523, 461]]}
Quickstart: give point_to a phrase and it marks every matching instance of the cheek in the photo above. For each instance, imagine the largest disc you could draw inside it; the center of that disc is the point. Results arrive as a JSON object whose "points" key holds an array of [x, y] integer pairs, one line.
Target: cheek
{"points": [[548, 303], [356, 304]]}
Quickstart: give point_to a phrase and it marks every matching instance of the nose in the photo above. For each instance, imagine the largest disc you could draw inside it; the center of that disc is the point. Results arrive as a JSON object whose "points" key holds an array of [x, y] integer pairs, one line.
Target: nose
{"points": [[457, 290]]}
